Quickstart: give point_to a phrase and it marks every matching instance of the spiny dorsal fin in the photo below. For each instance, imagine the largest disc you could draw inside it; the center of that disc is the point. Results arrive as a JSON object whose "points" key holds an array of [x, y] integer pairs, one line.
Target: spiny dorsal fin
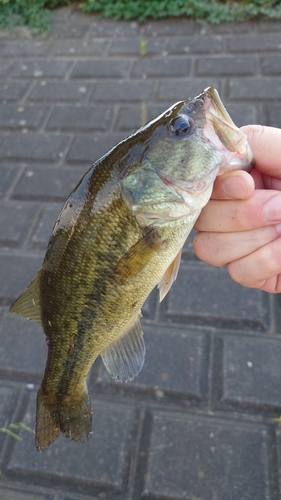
{"points": [[124, 358], [169, 277], [29, 303]]}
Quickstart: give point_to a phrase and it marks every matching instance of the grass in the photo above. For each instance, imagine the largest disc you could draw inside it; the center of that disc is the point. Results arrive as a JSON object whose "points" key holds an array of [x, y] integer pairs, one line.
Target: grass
{"points": [[37, 13], [9, 429]]}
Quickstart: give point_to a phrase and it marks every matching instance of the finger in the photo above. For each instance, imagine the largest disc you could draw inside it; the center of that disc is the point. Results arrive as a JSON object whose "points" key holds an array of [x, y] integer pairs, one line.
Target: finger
{"points": [[265, 143], [263, 181], [237, 184], [253, 270], [262, 209], [219, 249], [272, 182], [272, 285]]}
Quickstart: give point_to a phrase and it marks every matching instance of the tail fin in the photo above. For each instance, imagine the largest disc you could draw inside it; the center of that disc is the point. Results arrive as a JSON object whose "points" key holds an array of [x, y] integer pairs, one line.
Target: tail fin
{"points": [[72, 417]]}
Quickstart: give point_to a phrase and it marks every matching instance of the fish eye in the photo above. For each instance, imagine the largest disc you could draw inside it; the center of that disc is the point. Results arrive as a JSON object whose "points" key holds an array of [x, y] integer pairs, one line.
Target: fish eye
{"points": [[181, 125]]}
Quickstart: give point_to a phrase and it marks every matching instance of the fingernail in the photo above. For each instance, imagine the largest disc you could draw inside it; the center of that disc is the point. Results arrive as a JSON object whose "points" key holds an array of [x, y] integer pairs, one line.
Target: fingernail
{"points": [[234, 187], [272, 209]]}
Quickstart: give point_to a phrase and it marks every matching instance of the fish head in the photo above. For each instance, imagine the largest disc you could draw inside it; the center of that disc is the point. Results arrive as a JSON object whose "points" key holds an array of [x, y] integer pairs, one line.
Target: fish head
{"points": [[184, 149]]}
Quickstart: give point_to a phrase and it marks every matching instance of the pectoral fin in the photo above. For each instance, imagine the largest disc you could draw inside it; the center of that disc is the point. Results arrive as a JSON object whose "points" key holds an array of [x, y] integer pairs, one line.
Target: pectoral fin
{"points": [[124, 358], [130, 265], [29, 303], [169, 277]]}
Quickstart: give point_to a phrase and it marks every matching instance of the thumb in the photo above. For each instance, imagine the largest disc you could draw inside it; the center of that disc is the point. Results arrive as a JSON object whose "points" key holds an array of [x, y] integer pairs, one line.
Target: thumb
{"points": [[236, 184], [265, 143]]}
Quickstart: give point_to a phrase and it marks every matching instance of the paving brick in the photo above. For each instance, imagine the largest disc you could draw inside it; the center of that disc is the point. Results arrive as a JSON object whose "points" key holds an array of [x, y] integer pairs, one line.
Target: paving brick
{"points": [[167, 67], [195, 44], [176, 363], [27, 361], [231, 28], [110, 28], [16, 272], [67, 30], [64, 16], [87, 149], [76, 47], [16, 117], [226, 66], [4, 67], [11, 493], [17, 33], [133, 46], [61, 91], [9, 395], [130, 117], [271, 65], [41, 234], [252, 43], [120, 90], [198, 457], [32, 146], [199, 294], [14, 219], [29, 48], [81, 118], [13, 91], [253, 88], [269, 26], [133, 116], [102, 462], [108, 68], [171, 27], [7, 176], [46, 184], [274, 112], [179, 89], [252, 371], [40, 68]]}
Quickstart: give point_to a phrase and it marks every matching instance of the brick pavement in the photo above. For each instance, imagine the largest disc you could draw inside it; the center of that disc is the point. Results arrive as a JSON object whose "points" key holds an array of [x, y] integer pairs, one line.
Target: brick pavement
{"points": [[198, 422]]}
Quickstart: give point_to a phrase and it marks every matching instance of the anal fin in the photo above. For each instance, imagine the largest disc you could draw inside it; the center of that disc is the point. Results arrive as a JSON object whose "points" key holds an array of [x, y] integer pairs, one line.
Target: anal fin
{"points": [[28, 303], [124, 358], [169, 277]]}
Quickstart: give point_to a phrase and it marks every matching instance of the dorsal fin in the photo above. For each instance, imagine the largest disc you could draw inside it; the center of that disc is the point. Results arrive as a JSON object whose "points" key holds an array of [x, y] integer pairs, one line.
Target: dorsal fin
{"points": [[169, 277], [124, 358], [29, 302]]}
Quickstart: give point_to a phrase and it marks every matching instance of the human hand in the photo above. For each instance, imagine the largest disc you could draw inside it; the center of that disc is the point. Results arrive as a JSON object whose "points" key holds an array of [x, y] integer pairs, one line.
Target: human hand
{"points": [[241, 225]]}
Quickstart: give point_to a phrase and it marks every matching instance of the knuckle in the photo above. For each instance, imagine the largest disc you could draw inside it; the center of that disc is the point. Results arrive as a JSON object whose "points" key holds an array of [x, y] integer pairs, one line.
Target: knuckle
{"points": [[270, 260], [241, 273]]}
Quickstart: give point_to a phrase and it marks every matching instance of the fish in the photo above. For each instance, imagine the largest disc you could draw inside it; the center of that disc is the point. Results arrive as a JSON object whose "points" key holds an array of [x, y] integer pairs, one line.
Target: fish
{"points": [[120, 234]]}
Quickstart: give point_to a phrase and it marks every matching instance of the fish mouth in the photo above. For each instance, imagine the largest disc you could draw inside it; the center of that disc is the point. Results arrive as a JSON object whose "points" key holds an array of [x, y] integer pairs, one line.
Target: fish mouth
{"points": [[223, 134]]}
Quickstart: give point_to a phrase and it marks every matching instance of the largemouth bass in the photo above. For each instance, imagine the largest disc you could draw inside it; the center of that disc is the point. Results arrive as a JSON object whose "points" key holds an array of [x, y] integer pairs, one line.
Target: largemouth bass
{"points": [[119, 234]]}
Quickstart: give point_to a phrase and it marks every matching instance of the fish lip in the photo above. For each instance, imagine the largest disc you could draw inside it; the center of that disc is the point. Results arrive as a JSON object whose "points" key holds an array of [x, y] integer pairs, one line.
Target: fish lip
{"points": [[212, 98], [221, 131]]}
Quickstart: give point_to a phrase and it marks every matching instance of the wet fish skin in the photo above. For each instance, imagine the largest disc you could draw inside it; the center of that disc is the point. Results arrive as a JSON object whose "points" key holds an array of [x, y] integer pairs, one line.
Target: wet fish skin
{"points": [[119, 234]]}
